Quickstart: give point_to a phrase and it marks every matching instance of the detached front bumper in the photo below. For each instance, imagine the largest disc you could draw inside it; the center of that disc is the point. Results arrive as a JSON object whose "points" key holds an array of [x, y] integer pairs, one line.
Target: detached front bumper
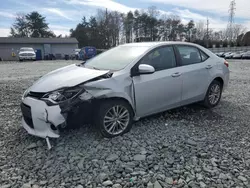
{"points": [[39, 119]]}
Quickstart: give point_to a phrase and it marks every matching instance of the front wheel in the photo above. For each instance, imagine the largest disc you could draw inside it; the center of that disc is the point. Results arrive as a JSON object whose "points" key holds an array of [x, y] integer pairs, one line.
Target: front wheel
{"points": [[114, 118], [213, 95]]}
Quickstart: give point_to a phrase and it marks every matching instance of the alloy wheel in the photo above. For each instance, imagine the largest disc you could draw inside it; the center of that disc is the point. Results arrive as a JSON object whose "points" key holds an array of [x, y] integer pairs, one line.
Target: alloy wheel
{"points": [[214, 94], [116, 120]]}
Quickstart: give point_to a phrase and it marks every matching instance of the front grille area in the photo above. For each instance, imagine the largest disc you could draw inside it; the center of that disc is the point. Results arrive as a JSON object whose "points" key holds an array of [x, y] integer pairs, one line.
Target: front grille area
{"points": [[27, 54], [36, 95], [26, 111]]}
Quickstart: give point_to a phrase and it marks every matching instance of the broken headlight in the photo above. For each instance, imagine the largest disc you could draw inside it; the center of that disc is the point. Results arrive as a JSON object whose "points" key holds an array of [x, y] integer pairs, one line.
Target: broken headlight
{"points": [[62, 94], [25, 94]]}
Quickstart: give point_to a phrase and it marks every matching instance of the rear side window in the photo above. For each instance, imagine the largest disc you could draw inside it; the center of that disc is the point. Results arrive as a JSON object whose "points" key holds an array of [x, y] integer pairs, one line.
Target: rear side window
{"points": [[204, 56], [189, 55]]}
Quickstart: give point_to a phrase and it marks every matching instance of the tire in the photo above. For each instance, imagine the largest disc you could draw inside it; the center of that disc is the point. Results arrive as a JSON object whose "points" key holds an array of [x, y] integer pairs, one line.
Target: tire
{"points": [[208, 101], [120, 126], [20, 60]]}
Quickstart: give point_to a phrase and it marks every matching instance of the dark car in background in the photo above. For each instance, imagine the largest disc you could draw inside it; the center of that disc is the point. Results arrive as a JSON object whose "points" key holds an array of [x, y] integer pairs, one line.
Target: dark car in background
{"points": [[87, 52], [228, 55], [220, 54], [246, 55], [238, 55]]}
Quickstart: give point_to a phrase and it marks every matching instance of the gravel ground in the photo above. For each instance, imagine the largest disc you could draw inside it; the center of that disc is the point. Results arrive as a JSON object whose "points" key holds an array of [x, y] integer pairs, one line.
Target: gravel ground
{"points": [[186, 147]]}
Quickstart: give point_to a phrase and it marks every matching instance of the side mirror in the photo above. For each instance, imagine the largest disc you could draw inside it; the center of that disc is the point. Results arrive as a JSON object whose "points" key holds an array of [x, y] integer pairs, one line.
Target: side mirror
{"points": [[146, 69]]}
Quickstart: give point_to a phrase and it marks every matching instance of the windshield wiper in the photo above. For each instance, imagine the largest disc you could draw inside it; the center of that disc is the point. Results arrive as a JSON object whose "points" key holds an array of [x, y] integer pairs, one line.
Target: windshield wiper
{"points": [[96, 68], [81, 64], [92, 67]]}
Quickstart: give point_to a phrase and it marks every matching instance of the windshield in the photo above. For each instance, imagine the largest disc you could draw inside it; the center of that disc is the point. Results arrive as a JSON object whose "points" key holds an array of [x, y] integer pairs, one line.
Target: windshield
{"points": [[26, 49], [116, 58]]}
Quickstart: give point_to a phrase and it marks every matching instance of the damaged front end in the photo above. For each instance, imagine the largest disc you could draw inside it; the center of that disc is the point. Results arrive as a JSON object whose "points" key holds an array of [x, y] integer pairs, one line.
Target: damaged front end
{"points": [[45, 114]]}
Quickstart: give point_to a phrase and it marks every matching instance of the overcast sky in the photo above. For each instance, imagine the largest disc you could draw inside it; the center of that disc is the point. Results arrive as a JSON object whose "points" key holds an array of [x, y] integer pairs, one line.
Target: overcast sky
{"points": [[62, 15]]}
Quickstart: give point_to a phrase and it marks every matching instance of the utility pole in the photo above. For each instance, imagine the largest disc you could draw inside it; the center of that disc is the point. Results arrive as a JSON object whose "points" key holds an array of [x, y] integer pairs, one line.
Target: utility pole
{"points": [[232, 8], [207, 31], [106, 13], [106, 28]]}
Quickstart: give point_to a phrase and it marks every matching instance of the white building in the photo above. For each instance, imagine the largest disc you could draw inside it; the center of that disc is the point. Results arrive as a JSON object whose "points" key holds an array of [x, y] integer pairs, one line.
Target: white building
{"points": [[59, 47]]}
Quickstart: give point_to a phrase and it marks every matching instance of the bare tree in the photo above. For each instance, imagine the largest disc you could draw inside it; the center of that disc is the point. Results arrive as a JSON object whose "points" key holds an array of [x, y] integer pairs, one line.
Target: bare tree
{"points": [[115, 26], [153, 12], [224, 34], [100, 15], [238, 29], [200, 30]]}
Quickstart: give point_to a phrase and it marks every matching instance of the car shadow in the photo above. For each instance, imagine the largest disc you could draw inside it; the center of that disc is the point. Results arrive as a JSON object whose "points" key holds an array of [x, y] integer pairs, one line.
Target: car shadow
{"points": [[189, 112], [193, 113]]}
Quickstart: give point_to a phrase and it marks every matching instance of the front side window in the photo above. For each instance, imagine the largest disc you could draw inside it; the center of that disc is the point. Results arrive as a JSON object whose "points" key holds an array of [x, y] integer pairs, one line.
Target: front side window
{"points": [[160, 58], [189, 55]]}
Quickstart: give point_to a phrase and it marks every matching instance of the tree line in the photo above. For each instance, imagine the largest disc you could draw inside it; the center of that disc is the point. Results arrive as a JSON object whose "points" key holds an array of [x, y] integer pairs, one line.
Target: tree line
{"points": [[110, 28]]}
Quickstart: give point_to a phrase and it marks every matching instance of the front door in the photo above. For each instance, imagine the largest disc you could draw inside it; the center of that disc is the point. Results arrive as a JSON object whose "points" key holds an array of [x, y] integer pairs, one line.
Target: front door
{"points": [[161, 90]]}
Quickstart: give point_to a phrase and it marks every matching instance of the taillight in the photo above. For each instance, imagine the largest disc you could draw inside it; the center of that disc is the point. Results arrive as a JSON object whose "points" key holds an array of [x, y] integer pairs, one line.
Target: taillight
{"points": [[226, 63]]}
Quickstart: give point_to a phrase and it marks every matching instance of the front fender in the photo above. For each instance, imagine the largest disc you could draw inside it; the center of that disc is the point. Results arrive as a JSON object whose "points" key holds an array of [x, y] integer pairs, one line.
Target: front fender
{"points": [[115, 87]]}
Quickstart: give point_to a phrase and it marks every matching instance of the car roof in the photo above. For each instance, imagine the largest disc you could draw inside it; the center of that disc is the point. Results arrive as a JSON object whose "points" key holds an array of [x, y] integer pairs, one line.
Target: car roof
{"points": [[155, 44]]}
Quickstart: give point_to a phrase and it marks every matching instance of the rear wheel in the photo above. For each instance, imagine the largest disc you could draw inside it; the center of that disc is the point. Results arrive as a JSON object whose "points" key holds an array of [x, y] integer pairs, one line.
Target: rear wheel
{"points": [[213, 95], [114, 118]]}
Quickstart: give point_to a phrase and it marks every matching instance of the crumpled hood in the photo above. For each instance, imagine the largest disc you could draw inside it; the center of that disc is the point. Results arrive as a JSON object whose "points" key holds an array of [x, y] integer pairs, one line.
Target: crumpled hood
{"points": [[68, 76]]}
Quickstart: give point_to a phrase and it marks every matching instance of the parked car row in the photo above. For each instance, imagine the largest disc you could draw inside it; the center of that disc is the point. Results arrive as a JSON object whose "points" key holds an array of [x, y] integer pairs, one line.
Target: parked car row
{"points": [[28, 53], [234, 55]]}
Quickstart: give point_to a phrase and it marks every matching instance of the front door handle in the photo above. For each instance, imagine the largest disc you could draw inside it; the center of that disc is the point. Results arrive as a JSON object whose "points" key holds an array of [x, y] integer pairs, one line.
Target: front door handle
{"points": [[209, 66], [177, 74]]}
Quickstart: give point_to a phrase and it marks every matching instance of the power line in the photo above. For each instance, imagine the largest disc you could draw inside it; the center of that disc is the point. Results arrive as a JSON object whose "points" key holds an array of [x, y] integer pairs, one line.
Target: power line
{"points": [[232, 8]]}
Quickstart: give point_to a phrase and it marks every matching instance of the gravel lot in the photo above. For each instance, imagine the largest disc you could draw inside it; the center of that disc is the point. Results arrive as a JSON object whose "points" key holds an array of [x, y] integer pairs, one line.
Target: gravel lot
{"points": [[186, 147]]}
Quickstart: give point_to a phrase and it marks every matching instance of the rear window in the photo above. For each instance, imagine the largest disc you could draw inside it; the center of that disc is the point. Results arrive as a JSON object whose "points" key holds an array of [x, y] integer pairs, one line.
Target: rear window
{"points": [[204, 56], [189, 55], [26, 49]]}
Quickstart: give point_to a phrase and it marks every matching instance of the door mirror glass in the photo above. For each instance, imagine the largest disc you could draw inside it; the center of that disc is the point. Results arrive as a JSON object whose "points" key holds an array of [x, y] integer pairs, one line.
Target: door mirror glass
{"points": [[146, 69]]}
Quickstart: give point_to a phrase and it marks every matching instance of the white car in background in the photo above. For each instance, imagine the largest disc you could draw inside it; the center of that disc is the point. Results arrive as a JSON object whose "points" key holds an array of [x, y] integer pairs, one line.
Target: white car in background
{"points": [[27, 54], [75, 54]]}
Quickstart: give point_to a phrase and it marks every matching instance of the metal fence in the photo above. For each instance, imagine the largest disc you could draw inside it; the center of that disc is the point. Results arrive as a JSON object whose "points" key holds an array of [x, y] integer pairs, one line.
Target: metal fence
{"points": [[230, 49]]}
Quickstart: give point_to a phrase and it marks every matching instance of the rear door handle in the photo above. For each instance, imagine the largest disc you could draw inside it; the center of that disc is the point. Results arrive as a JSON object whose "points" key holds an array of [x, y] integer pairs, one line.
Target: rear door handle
{"points": [[209, 66], [177, 74]]}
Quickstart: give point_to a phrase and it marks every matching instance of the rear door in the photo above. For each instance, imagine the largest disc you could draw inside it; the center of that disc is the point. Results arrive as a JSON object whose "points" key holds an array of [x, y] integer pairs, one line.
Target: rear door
{"points": [[161, 90], [195, 73]]}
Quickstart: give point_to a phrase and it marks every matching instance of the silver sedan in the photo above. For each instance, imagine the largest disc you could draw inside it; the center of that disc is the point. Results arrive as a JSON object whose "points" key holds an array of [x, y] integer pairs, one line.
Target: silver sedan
{"points": [[122, 85]]}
